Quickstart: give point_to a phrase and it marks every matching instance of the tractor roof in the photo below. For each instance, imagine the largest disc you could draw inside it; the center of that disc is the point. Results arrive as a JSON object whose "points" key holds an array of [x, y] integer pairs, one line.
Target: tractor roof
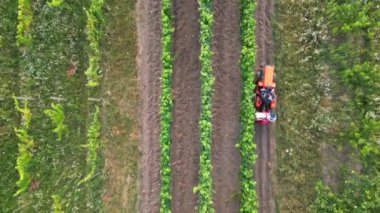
{"points": [[268, 76]]}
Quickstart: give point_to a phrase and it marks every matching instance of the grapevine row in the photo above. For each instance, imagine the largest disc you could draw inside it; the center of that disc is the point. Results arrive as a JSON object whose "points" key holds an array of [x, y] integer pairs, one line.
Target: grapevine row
{"points": [[166, 104], [24, 16], [204, 188], [93, 144], [24, 148], [247, 117], [93, 26]]}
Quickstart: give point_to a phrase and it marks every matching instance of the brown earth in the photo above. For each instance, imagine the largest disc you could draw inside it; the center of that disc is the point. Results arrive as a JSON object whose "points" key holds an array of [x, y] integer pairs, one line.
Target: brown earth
{"points": [[186, 105], [226, 105], [149, 72], [265, 140]]}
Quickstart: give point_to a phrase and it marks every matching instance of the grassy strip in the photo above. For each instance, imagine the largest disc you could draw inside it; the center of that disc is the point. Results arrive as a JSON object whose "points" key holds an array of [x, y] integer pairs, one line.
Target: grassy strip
{"points": [[24, 148], [57, 167], [94, 33], [204, 188], [24, 16], [93, 144], [298, 134], [120, 149], [247, 116], [353, 56], [8, 120], [166, 104]]}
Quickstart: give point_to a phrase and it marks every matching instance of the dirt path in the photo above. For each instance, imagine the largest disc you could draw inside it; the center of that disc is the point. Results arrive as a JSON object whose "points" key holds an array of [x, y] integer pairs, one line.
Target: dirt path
{"points": [[265, 140], [186, 100], [149, 71], [264, 167], [226, 102]]}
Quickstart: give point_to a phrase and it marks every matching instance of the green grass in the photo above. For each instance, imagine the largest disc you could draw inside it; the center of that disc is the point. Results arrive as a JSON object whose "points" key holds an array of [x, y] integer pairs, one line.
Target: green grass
{"points": [[301, 118], [9, 117], [120, 108]]}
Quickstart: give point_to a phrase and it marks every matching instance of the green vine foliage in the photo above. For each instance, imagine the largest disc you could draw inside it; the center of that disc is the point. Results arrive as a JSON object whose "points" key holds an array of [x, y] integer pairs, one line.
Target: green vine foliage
{"points": [[166, 104], [24, 16], [57, 208], [204, 188], [358, 193], [57, 116], [55, 3], [247, 112], [24, 148], [93, 144], [94, 34]]}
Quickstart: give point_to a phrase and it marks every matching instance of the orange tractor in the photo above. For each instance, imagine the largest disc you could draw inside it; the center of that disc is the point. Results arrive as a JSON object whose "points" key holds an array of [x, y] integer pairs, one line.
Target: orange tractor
{"points": [[265, 96]]}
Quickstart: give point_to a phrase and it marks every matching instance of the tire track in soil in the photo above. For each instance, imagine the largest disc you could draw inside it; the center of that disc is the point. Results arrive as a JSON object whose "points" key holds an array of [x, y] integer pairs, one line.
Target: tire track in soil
{"points": [[226, 105], [149, 68], [265, 140], [186, 105]]}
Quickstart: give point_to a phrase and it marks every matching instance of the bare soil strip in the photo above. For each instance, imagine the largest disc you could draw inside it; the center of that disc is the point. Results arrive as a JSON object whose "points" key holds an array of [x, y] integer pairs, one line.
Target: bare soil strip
{"points": [[226, 102], [269, 44], [260, 35], [186, 105], [272, 166], [149, 71], [265, 139]]}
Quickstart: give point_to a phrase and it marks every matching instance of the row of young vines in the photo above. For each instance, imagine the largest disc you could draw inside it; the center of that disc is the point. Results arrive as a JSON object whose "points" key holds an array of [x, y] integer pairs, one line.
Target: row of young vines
{"points": [[27, 167], [204, 188], [94, 30], [247, 116], [23, 38], [94, 23], [166, 104], [25, 146], [24, 16], [247, 147]]}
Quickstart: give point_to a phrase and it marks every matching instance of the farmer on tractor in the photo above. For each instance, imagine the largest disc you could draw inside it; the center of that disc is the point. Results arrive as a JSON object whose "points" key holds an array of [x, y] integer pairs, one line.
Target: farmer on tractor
{"points": [[265, 98]]}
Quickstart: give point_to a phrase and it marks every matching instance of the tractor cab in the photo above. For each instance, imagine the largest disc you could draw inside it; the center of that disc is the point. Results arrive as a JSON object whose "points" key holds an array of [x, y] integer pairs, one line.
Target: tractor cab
{"points": [[265, 96]]}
